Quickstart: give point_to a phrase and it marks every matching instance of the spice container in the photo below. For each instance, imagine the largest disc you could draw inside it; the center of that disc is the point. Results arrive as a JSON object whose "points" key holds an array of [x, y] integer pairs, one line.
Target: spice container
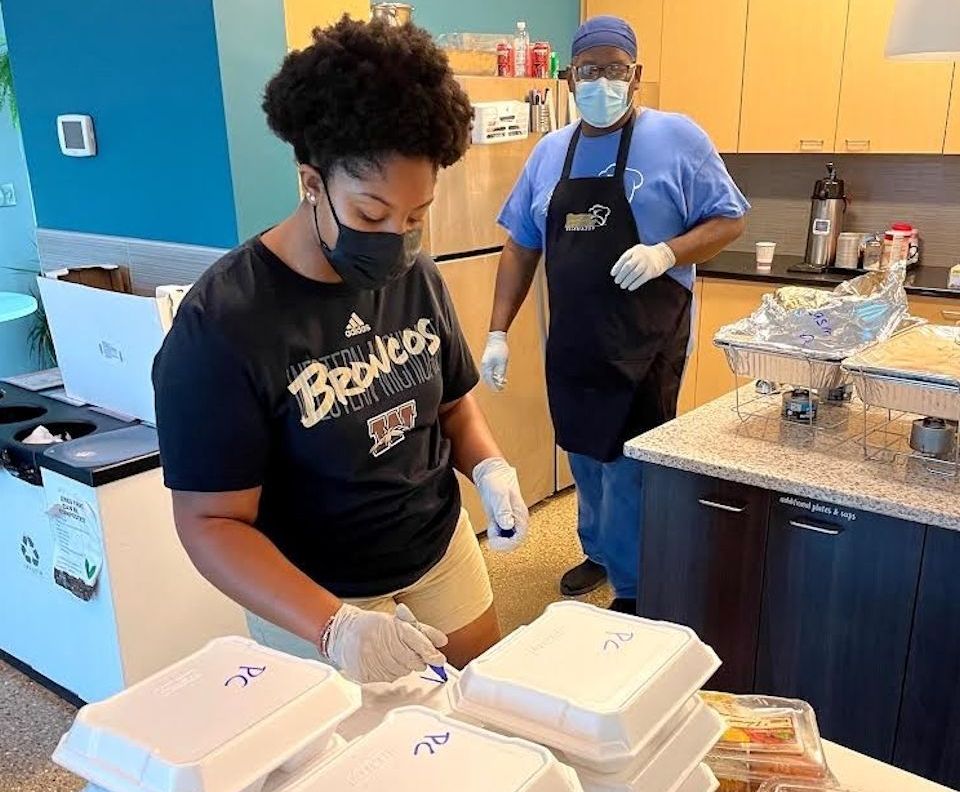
{"points": [[895, 247], [596, 685], [911, 251], [766, 737], [872, 252]]}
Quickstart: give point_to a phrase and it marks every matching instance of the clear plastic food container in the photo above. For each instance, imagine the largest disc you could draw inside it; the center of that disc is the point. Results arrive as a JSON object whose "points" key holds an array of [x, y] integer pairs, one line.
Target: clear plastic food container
{"points": [[424, 689], [786, 785], [220, 720], [670, 759], [593, 684], [766, 737], [418, 750]]}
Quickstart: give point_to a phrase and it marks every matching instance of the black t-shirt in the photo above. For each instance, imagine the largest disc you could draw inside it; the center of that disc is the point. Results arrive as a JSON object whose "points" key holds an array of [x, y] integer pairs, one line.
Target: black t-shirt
{"points": [[327, 397]]}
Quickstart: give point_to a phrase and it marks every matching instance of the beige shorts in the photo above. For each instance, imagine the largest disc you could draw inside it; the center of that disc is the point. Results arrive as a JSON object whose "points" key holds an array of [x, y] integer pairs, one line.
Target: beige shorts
{"points": [[455, 593]]}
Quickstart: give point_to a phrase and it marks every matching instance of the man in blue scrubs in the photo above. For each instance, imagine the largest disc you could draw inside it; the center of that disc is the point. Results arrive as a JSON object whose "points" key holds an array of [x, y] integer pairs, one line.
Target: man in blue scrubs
{"points": [[623, 205]]}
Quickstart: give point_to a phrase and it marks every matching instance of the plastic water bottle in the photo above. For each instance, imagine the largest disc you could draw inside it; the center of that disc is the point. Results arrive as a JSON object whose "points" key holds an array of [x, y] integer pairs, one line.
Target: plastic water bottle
{"points": [[521, 50]]}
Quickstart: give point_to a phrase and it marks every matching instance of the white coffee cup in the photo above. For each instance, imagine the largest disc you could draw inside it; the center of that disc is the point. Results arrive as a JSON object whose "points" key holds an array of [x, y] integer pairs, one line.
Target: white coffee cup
{"points": [[765, 253]]}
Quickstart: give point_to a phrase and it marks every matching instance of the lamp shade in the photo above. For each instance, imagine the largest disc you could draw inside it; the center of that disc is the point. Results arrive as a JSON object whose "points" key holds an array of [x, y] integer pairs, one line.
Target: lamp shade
{"points": [[16, 306], [926, 30]]}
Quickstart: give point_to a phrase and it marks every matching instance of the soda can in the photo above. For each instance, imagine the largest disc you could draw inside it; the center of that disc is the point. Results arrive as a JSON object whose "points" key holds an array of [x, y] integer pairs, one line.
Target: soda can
{"points": [[504, 60], [540, 59]]}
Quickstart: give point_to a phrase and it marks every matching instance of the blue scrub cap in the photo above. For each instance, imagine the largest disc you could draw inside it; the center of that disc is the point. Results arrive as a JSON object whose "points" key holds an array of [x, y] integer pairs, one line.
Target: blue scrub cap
{"points": [[605, 31]]}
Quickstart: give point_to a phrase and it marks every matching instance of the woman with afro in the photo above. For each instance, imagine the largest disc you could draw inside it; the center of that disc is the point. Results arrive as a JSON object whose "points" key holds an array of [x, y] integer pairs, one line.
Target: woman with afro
{"points": [[314, 393]]}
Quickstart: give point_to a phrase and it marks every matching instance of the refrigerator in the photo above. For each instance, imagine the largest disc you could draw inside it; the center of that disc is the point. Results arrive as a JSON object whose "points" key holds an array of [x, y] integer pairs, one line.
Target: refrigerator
{"points": [[464, 238]]}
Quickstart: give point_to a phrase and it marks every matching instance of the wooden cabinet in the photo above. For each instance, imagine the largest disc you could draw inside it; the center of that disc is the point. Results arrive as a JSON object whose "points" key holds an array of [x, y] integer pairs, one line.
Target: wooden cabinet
{"points": [[646, 19], [519, 416], [704, 86], [703, 549], [688, 388], [887, 106], [791, 78], [302, 16], [722, 302], [928, 737], [937, 310], [951, 144], [838, 601]]}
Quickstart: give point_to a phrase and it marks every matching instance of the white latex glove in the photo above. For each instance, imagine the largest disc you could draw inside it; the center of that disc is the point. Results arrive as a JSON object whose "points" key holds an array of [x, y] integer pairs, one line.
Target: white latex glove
{"points": [[642, 263], [493, 366], [503, 503], [368, 646]]}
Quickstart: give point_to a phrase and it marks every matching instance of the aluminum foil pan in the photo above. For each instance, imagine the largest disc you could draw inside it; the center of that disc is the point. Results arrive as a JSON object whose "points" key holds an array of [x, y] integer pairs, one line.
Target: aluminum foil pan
{"points": [[930, 353], [910, 396], [823, 325], [795, 369]]}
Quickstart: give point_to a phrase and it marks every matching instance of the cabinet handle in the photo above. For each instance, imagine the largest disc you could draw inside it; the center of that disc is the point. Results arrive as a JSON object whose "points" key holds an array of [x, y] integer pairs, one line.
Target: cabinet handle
{"points": [[950, 315], [821, 529], [811, 144], [722, 506], [858, 145]]}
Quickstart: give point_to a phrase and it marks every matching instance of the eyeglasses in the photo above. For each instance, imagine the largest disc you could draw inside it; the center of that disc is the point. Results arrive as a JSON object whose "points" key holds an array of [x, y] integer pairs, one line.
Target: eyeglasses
{"points": [[588, 72]]}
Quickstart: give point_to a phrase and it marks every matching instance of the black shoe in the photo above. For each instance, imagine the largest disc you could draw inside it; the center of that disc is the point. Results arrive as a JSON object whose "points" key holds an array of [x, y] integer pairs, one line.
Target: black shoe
{"points": [[624, 605], [582, 579]]}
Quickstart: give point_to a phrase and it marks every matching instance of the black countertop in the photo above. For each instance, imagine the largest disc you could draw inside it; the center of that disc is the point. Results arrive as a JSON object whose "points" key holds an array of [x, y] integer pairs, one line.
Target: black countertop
{"points": [[929, 281], [106, 449]]}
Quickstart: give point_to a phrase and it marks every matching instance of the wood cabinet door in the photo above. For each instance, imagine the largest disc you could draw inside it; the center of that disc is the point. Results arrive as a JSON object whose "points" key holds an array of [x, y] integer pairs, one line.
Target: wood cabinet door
{"points": [[838, 598], [519, 416], [702, 564], [936, 310], [701, 65], [688, 388], [646, 19], [888, 106], [928, 737], [791, 77], [951, 144], [302, 16], [723, 301]]}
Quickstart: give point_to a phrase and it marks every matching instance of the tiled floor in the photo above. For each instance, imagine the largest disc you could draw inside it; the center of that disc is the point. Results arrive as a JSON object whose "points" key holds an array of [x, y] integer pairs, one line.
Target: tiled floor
{"points": [[32, 720]]}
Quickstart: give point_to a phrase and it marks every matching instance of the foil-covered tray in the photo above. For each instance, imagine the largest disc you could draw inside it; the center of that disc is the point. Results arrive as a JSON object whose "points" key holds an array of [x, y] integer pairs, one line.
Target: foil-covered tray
{"points": [[910, 396], [798, 370], [930, 353], [818, 325]]}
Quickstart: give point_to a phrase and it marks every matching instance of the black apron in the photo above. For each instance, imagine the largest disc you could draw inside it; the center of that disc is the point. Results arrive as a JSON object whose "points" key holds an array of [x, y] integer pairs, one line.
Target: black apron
{"points": [[614, 358]]}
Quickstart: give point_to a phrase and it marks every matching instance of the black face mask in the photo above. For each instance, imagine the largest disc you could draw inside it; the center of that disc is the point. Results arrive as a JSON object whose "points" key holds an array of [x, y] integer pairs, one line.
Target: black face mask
{"points": [[369, 259]]}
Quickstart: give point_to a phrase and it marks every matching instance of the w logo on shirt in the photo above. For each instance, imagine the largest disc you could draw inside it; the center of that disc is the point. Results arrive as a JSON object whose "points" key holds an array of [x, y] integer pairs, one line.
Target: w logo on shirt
{"points": [[390, 427]]}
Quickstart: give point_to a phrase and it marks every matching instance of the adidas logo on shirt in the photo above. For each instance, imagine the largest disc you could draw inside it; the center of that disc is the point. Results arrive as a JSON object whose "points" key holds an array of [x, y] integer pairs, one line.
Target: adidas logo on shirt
{"points": [[356, 326]]}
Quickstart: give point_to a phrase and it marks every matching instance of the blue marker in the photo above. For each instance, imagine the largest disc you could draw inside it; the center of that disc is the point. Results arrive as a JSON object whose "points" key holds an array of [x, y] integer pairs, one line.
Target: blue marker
{"points": [[406, 615], [440, 671]]}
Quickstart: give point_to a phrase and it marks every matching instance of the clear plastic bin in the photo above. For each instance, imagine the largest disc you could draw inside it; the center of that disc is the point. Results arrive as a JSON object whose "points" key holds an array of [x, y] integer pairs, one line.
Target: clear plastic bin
{"points": [[593, 684], [766, 737]]}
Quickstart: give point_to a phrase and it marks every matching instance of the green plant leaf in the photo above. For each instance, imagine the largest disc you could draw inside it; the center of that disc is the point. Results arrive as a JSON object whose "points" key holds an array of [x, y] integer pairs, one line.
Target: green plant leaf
{"points": [[7, 96]]}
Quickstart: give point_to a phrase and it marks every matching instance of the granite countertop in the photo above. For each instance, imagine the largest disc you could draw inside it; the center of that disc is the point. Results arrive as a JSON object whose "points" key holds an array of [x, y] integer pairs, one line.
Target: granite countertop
{"points": [[764, 452], [928, 281]]}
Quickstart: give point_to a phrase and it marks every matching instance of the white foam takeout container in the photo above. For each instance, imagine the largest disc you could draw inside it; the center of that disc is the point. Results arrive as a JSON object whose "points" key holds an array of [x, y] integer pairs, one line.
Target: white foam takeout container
{"points": [[670, 760], [416, 749], [423, 689], [220, 720], [594, 684]]}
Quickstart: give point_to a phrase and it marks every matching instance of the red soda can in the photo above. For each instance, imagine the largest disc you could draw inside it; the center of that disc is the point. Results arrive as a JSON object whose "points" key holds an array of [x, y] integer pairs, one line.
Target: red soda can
{"points": [[504, 60], [540, 59]]}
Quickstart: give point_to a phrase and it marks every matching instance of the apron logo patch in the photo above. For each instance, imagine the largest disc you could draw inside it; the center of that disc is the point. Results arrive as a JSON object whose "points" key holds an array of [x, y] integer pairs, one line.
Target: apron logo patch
{"points": [[587, 221], [390, 427]]}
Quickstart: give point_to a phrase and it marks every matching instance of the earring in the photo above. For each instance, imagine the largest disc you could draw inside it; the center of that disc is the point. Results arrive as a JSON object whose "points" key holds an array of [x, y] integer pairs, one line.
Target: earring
{"points": [[312, 198]]}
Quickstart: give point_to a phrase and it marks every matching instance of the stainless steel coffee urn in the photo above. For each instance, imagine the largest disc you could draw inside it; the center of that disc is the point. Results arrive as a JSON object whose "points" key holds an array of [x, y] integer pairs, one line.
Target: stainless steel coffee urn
{"points": [[827, 207]]}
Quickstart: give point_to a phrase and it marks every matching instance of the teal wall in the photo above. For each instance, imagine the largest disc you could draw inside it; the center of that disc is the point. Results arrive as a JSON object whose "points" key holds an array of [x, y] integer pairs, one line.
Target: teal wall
{"points": [[551, 20], [148, 73], [252, 43], [18, 247]]}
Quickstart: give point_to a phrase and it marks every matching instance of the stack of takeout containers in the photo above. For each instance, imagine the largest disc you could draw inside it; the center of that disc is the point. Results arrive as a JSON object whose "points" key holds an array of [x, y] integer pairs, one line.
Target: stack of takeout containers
{"points": [[767, 740], [614, 695], [233, 717], [423, 689]]}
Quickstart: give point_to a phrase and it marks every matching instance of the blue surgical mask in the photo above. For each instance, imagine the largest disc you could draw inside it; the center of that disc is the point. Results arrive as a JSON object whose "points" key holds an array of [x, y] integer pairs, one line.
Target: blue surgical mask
{"points": [[602, 102]]}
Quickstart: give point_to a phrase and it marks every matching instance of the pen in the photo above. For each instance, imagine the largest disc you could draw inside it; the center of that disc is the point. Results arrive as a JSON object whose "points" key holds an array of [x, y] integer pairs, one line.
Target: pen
{"points": [[406, 615]]}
